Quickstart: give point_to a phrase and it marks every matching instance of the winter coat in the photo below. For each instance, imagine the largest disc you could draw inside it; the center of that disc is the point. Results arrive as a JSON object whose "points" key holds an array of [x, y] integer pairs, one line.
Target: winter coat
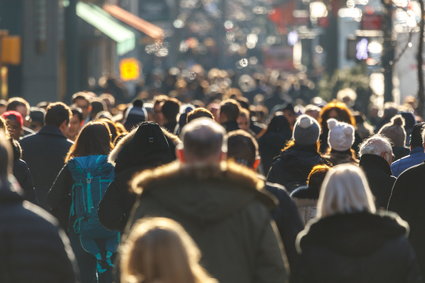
{"points": [[22, 173], [287, 220], [230, 126], [378, 174], [292, 167], [305, 199], [416, 156], [400, 152], [356, 248], [144, 148], [224, 209], [274, 139], [32, 247], [340, 157], [407, 199], [45, 154]]}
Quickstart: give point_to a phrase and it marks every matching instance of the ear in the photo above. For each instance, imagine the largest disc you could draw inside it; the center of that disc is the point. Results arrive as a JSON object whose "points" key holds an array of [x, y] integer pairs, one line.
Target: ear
{"points": [[180, 155], [256, 164]]}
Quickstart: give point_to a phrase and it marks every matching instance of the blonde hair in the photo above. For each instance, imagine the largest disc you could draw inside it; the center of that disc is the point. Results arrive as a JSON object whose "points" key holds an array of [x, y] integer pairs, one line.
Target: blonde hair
{"points": [[159, 250], [345, 190]]}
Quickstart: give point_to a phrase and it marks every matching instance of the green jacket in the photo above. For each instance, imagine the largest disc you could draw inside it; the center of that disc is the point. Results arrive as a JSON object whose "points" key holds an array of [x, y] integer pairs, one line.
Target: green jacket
{"points": [[225, 210]]}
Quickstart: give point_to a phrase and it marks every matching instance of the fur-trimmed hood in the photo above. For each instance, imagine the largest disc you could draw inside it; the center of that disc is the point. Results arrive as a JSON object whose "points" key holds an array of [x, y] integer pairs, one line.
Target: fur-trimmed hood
{"points": [[146, 146], [352, 234], [204, 193]]}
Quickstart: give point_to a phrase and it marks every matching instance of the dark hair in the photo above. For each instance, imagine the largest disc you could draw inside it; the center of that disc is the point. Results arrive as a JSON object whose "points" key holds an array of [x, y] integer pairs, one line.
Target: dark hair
{"points": [[343, 114], [97, 105], [170, 109], [57, 113], [416, 136], [198, 113], [242, 147], [230, 108], [15, 102], [77, 111], [94, 139]]}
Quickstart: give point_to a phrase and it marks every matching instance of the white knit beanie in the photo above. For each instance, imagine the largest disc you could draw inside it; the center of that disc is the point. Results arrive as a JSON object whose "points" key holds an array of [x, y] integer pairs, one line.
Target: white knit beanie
{"points": [[341, 135]]}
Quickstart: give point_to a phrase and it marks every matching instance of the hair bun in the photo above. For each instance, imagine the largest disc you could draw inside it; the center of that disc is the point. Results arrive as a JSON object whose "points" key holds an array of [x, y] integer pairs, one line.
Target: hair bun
{"points": [[398, 120], [332, 123], [305, 122]]}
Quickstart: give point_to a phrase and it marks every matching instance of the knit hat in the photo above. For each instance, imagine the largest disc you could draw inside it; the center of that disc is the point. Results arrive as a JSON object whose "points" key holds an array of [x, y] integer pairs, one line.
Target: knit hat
{"points": [[306, 130], [394, 130], [14, 115], [341, 135]]}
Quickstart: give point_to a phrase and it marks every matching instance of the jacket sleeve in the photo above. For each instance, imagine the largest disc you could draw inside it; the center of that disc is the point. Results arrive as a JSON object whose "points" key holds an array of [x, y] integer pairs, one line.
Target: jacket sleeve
{"points": [[270, 264], [398, 199], [59, 196]]}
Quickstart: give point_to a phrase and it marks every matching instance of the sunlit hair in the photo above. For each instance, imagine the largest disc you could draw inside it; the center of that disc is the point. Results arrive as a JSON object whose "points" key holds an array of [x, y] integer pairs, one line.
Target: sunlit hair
{"points": [[94, 139], [160, 250], [345, 190], [343, 114]]}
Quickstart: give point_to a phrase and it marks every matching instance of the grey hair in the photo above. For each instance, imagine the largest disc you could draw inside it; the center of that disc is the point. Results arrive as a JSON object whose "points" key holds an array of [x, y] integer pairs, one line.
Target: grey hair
{"points": [[376, 144], [203, 138]]}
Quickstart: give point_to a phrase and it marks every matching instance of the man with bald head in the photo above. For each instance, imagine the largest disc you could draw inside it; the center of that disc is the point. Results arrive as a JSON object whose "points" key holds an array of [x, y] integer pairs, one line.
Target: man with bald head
{"points": [[222, 206]]}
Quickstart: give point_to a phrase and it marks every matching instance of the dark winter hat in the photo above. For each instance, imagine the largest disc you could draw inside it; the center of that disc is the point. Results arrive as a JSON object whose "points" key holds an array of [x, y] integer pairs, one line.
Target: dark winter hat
{"points": [[135, 115], [306, 130]]}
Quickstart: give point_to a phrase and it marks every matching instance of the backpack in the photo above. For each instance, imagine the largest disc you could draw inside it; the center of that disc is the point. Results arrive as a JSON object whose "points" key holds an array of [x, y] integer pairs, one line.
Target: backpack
{"points": [[92, 175]]}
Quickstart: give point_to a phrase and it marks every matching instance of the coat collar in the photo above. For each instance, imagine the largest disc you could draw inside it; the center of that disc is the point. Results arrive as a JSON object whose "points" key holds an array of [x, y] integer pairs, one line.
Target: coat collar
{"points": [[375, 161], [51, 131]]}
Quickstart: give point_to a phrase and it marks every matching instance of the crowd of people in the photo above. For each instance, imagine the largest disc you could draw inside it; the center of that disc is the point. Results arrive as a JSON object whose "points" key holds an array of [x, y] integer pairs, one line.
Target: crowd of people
{"points": [[189, 187]]}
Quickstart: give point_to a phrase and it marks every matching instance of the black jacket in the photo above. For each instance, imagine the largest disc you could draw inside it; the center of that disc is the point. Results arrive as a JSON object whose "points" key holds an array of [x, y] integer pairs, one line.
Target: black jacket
{"points": [[407, 199], [292, 167], [230, 126], [378, 174], [22, 173], [287, 220], [356, 248], [144, 148], [45, 154], [32, 248]]}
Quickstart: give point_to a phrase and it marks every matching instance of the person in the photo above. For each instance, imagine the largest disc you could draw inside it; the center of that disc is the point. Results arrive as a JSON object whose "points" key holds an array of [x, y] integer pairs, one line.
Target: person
{"points": [[32, 247], [305, 197], [146, 147], [229, 113], [417, 154], [82, 100], [15, 123], [220, 204], [160, 250], [299, 156], [243, 149], [37, 119], [394, 131], [21, 106], [340, 140], [74, 198], [375, 158], [278, 133], [45, 151], [75, 124], [198, 113], [135, 115], [350, 241], [407, 200], [170, 110]]}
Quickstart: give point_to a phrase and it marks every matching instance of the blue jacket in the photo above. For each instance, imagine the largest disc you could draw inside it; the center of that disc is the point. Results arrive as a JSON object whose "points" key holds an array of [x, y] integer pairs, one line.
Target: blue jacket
{"points": [[416, 156]]}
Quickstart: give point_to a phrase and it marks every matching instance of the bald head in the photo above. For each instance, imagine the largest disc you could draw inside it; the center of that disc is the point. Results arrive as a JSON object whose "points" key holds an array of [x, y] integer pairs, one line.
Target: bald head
{"points": [[203, 141]]}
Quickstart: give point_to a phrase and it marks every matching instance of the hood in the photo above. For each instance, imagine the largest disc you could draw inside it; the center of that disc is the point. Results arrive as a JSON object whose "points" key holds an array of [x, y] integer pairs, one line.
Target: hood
{"points": [[206, 193], [352, 234], [146, 146]]}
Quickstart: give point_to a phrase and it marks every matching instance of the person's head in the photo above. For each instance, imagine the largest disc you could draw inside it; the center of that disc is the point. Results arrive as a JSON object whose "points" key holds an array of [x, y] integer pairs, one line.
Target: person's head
{"points": [[58, 114], [75, 124], [135, 115], [345, 190], [14, 122], [229, 111], [316, 176], [157, 108], [312, 110], [377, 145], [170, 109], [82, 100], [97, 105], [341, 135], [198, 113], [243, 120], [394, 131], [243, 149], [289, 112], [20, 105], [203, 141], [94, 139], [37, 118], [6, 158], [337, 110], [306, 131], [390, 110], [160, 250], [109, 100], [416, 136]]}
